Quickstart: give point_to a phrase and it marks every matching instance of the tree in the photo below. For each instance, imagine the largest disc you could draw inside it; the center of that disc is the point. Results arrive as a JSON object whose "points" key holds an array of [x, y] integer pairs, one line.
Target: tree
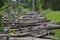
{"points": [[3, 2], [37, 5], [28, 4], [56, 5], [45, 4], [53, 4]]}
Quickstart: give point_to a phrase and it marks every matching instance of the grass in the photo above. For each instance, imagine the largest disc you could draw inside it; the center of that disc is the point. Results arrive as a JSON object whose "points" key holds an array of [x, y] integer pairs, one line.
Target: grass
{"points": [[55, 16], [57, 33]]}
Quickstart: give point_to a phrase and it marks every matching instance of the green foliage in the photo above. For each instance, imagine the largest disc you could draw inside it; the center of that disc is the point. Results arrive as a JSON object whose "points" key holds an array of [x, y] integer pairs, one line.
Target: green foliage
{"points": [[37, 5], [53, 4], [28, 4], [2, 3], [24, 3], [11, 31], [45, 4], [1, 27], [56, 5]]}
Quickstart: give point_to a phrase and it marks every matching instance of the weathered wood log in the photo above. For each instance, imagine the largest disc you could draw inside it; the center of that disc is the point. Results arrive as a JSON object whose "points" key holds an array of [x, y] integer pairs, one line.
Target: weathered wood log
{"points": [[40, 19], [14, 35], [36, 33], [52, 26], [18, 35], [23, 24]]}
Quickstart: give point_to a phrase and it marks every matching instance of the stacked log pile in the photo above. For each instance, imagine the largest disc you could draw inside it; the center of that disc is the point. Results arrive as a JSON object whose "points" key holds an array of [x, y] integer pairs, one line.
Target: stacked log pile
{"points": [[34, 24]]}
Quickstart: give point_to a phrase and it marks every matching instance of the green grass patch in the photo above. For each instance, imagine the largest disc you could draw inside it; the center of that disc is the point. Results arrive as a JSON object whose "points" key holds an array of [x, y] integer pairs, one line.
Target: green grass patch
{"points": [[57, 33], [54, 16]]}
